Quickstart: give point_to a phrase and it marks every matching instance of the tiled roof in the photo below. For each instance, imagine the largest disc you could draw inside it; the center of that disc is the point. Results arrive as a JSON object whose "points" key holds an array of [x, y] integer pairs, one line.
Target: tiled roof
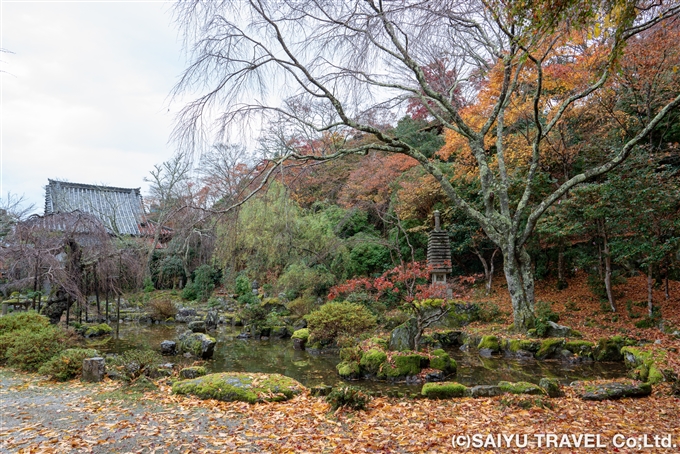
{"points": [[119, 209]]}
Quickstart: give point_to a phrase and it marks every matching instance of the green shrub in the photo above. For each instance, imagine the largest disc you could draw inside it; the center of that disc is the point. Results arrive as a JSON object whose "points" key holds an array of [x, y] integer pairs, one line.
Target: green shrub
{"points": [[333, 320], [67, 364], [22, 320], [30, 349], [148, 285], [205, 278], [349, 397], [242, 285], [544, 314], [302, 305], [189, 293]]}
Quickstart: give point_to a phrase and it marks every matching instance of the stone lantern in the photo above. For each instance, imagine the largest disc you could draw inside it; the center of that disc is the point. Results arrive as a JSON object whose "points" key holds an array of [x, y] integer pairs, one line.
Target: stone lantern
{"points": [[438, 253]]}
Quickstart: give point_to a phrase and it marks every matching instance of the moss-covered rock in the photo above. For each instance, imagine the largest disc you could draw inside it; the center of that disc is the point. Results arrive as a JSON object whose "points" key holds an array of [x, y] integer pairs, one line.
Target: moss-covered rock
{"points": [[447, 338], [521, 387], [198, 344], [550, 348], [193, 372], [610, 349], [580, 348], [444, 390], [101, 329], [490, 343], [643, 364], [402, 338], [516, 346], [244, 387], [348, 369], [443, 362], [551, 387], [403, 366], [372, 360], [302, 334], [616, 390]]}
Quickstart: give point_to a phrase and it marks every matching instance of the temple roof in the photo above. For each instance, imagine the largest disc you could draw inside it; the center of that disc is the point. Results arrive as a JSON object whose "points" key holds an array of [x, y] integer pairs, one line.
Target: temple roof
{"points": [[119, 209]]}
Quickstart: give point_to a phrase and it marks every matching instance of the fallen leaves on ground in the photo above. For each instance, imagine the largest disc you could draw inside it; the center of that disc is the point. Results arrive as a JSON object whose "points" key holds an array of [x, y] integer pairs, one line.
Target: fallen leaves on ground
{"points": [[162, 422]]}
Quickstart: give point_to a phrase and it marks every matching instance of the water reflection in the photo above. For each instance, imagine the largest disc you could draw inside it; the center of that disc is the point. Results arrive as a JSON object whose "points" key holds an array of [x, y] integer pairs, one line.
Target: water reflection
{"points": [[274, 355]]}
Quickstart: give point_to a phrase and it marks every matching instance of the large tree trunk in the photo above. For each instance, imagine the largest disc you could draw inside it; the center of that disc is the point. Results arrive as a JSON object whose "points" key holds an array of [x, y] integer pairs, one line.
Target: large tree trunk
{"points": [[607, 269], [561, 274], [650, 284], [520, 278]]}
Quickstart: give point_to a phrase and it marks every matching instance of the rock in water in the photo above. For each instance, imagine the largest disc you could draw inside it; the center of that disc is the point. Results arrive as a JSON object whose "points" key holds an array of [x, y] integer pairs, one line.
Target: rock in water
{"points": [[197, 344], [197, 326], [93, 369], [403, 336], [168, 347]]}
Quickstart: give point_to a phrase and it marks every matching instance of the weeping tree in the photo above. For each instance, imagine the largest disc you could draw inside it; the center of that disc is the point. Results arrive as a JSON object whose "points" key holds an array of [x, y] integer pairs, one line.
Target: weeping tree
{"points": [[72, 254], [499, 78]]}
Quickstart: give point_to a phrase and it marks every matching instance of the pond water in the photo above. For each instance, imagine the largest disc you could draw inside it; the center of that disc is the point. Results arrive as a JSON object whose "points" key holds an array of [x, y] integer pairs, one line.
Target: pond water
{"points": [[278, 356]]}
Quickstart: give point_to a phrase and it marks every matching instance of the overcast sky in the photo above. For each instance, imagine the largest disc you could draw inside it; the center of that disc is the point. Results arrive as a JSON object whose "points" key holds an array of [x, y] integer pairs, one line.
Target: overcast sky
{"points": [[85, 92]]}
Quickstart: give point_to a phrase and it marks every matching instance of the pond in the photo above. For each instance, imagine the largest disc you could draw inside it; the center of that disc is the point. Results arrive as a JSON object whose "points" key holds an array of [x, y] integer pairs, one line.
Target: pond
{"points": [[278, 356]]}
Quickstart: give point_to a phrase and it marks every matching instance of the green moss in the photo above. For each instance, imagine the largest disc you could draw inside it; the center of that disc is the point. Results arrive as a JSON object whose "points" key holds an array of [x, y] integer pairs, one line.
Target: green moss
{"points": [[408, 364], [644, 363], [579, 346], [548, 347], [443, 362], [348, 369], [98, 330], [515, 345], [655, 375], [521, 387], [404, 365], [490, 342], [379, 341], [372, 360], [244, 387], [301, 334], [193, 372], [609, 349], [444, 390], [551, 387]]}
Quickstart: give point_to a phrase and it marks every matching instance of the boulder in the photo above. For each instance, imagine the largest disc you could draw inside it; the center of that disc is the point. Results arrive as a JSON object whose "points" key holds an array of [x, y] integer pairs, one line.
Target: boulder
{"points": [[300, 338], [168, 347], [244, 387], [551, 386], [197, 344], [301, 323], [556, 330], [279, 332], [94, 369], [211, 320], [403, 336], [521, 387], [444, 390], [550, 348], [192, 372], [485, 391], [616, 390], [197, 326], [185, 315]]}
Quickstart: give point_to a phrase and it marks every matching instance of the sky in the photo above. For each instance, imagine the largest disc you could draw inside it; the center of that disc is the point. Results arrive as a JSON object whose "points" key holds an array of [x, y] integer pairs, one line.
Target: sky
{"points": [[85, 93]]}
